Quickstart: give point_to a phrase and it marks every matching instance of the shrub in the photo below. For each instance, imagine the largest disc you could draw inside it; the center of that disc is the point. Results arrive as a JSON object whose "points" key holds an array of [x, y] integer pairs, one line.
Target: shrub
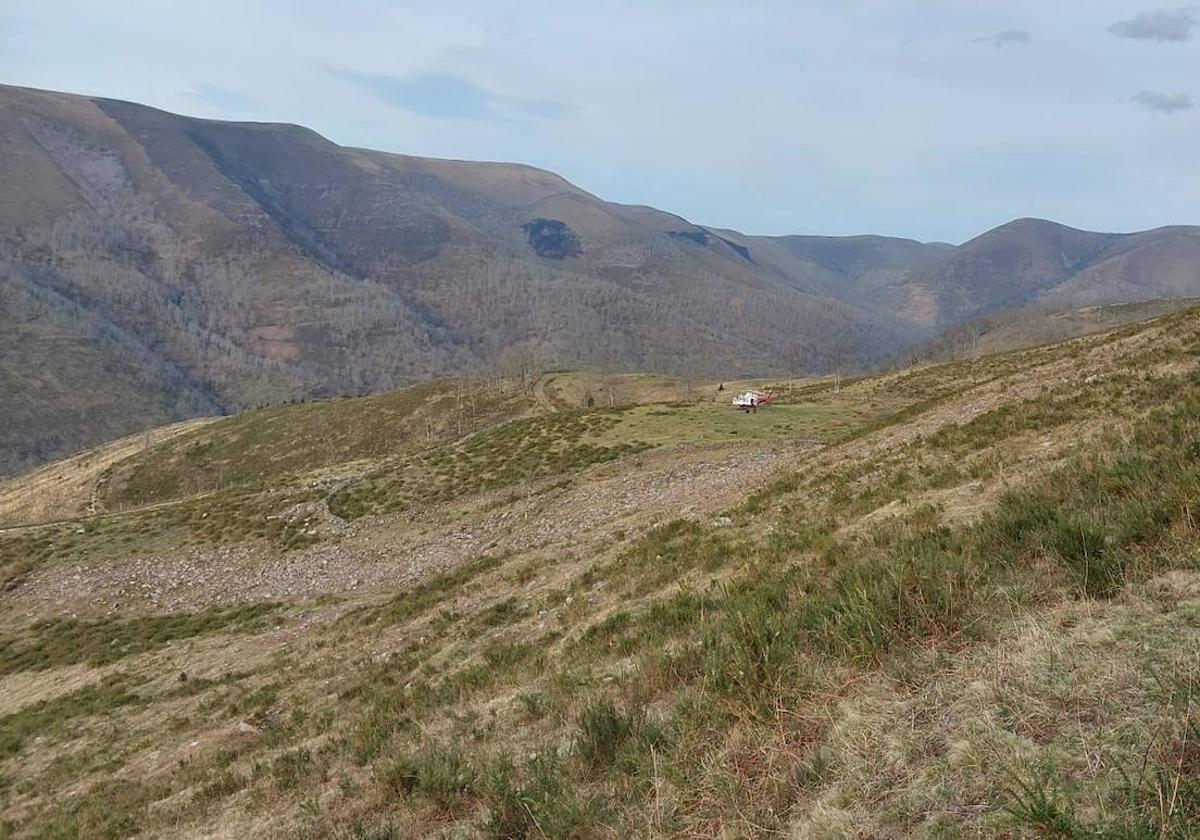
{"points": [[603, 731], [750, 650], [442, 775], [1098, 569], [293, 768], [537, 800]]}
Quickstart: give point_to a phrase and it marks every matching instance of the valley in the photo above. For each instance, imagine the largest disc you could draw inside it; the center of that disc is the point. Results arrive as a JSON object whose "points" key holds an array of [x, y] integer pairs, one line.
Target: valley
{"points": [[156, 268]]}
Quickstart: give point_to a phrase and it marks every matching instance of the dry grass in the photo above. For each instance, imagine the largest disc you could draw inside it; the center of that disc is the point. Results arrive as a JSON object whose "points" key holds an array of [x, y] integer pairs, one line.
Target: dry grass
{"points": [[1082, 690], [881, 641]]}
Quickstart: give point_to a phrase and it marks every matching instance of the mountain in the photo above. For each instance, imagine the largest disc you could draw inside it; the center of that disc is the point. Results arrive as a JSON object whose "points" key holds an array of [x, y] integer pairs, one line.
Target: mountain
{"points": [[1031, 261], [958, 600], [1031, 326], [155, 267], [229, 264]]}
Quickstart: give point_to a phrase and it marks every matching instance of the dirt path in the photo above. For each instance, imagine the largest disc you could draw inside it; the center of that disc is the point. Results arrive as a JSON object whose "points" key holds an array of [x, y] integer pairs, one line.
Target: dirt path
{"points": [[542, 396], [68, 489]]}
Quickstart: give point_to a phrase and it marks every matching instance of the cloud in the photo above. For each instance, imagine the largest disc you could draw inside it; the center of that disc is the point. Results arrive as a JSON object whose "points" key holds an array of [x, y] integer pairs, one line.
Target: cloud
{"points": [[696, 113], [447, 96], [1007, 37], [1159, 25], [1166, 103]]}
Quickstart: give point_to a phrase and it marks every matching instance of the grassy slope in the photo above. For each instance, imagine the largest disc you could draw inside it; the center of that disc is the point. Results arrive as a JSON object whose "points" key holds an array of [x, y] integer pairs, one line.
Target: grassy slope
{"points": [[1030, 327], [272, 446], [974, 612], [65, 489]]}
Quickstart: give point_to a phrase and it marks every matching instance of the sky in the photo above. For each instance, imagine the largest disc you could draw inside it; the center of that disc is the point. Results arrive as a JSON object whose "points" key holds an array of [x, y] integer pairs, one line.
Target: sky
{"points": [[929, 119]]}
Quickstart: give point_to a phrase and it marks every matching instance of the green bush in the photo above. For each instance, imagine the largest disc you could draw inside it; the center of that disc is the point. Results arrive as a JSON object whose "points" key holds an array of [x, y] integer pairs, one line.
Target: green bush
{"points": [[1097, 567], [537, 800], [603, 730], [442, 775], [293, 769]]}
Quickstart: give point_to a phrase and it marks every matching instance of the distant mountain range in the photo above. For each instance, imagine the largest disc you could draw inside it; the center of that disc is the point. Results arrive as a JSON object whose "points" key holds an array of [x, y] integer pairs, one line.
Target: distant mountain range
{"points": [[155, 267]]}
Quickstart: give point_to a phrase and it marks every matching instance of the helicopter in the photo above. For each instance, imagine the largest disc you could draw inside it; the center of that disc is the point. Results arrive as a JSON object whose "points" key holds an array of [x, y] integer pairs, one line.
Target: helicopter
{"points": [[750, 401]]}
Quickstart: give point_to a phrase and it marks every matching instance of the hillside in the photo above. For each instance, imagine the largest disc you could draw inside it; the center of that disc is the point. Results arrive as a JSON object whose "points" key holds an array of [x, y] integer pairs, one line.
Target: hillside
{"points": [[958, 600], [155, 267], [1032, 261], [1046, 323], [230, 264]]}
